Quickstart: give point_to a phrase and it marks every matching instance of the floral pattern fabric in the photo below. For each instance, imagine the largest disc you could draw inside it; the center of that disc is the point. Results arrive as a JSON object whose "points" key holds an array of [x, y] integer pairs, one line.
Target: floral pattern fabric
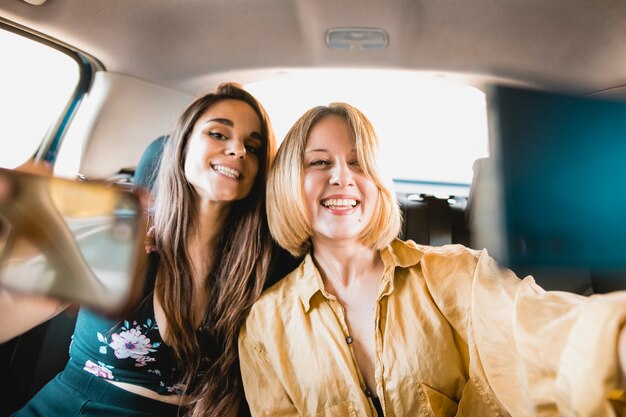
{"points": [[129, 351], [131, 342], [101, 370]]}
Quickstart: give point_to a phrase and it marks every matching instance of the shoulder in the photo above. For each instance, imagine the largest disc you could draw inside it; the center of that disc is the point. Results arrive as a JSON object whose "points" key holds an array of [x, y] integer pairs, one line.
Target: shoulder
{"points": [[456, 269], [447, 270], [452, 256], [453, 250], [457, 261], [408, 253]]}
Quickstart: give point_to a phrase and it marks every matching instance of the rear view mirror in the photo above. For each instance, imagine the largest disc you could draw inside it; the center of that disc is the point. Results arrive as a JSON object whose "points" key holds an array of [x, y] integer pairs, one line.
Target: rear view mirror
{"points": [[76, 241]]}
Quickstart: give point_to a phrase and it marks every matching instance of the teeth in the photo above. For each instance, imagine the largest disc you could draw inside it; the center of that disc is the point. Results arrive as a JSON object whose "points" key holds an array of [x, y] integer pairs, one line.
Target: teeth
{"points": [[231, 173], [339, 203]]}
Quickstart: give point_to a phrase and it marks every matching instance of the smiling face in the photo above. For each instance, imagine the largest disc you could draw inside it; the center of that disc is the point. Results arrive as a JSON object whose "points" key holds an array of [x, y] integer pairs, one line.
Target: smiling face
{"points": [[222, 155], [340, 199]]}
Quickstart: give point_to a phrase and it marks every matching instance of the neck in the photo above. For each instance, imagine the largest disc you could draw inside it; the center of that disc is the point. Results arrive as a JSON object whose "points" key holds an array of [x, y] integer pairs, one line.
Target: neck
{"points": [[211, 218], [202, 241], [342, 264]]}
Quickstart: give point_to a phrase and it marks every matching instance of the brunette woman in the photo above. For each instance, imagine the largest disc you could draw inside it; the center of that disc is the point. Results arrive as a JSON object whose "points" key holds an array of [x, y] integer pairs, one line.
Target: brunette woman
{"points": [[176, 353]]}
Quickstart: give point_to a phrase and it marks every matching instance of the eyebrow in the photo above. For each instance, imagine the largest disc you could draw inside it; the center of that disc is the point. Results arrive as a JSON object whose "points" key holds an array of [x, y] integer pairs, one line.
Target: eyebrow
{"points": [[257, 136], [229, 123], [322, 150], [221, 120]]}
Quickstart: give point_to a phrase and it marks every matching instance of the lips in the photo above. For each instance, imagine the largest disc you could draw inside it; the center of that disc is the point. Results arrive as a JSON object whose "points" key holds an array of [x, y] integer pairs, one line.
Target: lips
{"points": [[340, 204], [226, 171]]}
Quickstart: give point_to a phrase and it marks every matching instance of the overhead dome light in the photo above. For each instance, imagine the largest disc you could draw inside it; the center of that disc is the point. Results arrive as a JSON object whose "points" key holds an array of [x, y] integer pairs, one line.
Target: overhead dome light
{"points": [[356, 38]]}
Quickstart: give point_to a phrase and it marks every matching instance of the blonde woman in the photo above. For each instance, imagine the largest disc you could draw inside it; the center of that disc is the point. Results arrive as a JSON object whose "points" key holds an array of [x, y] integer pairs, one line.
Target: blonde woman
{"points": [[371, 325]]}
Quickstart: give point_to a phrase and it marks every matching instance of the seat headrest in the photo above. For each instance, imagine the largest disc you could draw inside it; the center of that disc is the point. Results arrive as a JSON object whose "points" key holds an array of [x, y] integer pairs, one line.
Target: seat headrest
{"points": [[148, 166]]}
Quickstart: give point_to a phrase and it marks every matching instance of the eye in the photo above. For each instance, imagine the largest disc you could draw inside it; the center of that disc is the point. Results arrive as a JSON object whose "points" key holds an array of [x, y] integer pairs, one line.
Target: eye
{"points": [[252, 149], [217, 135], [356, 166], [319, 162]]}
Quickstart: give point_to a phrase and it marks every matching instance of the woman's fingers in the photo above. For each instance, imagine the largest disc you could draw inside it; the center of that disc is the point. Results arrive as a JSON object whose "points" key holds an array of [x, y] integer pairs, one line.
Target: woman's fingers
{"points": [[36, 167], [5, 188]]}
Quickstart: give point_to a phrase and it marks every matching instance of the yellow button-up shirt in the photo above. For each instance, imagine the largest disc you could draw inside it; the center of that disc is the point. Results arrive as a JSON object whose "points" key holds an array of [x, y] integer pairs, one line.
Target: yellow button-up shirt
{"points": [[455, 335]]}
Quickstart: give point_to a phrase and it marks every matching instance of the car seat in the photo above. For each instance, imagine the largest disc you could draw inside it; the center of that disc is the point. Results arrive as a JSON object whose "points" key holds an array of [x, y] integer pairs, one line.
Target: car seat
{"points": [[577, 280], [148, 166], [431, 220]]}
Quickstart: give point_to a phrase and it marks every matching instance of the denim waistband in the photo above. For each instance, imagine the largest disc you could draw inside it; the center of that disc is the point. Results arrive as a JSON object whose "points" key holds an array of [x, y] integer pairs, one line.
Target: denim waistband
{"points": [[100, 390]]}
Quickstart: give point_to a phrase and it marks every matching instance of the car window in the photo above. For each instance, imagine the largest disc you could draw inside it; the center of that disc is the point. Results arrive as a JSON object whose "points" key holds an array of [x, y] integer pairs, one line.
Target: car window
{"points": [[431, 130], [36, 82]]}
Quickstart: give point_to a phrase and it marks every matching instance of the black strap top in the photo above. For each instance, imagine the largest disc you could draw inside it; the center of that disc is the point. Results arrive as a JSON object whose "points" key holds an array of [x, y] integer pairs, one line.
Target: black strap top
{"points": [[130, 350]]}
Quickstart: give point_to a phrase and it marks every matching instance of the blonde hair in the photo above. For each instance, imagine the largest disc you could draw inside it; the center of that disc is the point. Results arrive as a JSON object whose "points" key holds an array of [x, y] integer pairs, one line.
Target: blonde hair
{"points": [[287, 216]]}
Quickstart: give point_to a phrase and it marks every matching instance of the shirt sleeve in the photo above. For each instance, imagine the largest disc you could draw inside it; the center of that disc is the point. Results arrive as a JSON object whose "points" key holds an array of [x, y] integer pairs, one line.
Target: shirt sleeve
{"points": [[543, 351], [264, 391]]}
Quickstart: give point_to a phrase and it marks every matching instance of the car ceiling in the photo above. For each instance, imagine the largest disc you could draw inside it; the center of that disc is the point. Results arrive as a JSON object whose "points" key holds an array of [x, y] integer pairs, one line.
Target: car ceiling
{"points": [[188, 44]]}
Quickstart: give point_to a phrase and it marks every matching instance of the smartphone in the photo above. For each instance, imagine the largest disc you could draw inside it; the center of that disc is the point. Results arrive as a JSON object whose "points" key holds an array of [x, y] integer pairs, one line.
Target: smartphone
{"points": [[73, 240]]}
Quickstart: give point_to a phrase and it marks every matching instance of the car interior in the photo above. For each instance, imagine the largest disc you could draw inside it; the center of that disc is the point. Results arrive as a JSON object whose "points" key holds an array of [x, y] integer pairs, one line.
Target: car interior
{"points": [[137, 64]]}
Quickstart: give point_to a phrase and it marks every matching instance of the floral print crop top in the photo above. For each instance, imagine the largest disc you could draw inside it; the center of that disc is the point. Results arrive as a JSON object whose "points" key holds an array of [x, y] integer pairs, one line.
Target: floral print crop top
{"points": [[130, 350]]}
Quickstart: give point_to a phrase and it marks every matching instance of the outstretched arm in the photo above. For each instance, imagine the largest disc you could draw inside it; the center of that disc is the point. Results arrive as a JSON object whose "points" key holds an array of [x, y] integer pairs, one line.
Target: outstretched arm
{"points": [[565, 350], [20, 313], [621, 351]]}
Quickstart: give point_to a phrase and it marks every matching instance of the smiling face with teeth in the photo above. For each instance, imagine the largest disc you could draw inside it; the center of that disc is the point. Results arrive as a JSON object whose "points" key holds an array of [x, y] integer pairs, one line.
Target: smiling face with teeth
{"points": [[222, 155], [340, 199]]}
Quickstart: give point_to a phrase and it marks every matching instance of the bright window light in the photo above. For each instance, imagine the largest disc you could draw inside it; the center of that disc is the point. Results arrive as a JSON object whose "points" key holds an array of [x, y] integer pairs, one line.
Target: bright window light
{"points": [[431, 130], [36, 82]]}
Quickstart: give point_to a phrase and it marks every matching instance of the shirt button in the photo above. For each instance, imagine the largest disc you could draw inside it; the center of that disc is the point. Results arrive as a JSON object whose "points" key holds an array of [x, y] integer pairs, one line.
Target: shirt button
{"points": [[349, 340], [368, 392]]}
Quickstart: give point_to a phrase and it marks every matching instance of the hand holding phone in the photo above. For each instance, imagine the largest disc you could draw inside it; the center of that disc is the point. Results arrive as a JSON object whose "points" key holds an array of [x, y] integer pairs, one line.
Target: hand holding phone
{"points": [[75, 241]]}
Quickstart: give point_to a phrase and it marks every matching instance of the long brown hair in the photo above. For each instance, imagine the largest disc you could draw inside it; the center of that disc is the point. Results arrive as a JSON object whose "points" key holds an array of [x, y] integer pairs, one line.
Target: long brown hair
{"points": [[209, 361]]}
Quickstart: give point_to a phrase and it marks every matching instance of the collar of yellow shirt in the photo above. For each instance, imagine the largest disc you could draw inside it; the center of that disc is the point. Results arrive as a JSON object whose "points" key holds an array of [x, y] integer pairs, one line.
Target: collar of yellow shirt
{"points": [[397, 254]]}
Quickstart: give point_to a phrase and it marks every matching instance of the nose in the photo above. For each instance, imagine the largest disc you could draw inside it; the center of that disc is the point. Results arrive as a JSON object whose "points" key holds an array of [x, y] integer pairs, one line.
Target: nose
{"points": [[341, 175], [236, 149]]}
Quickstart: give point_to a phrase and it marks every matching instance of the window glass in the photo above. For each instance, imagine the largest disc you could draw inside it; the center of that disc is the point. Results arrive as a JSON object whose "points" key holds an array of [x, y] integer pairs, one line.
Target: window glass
{"points": [[431, 130], [36, 82]]}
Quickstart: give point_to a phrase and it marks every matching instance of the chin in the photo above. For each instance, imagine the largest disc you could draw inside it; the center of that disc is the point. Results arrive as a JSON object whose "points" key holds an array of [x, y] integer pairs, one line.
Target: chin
{"points": [[348, 236]]}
